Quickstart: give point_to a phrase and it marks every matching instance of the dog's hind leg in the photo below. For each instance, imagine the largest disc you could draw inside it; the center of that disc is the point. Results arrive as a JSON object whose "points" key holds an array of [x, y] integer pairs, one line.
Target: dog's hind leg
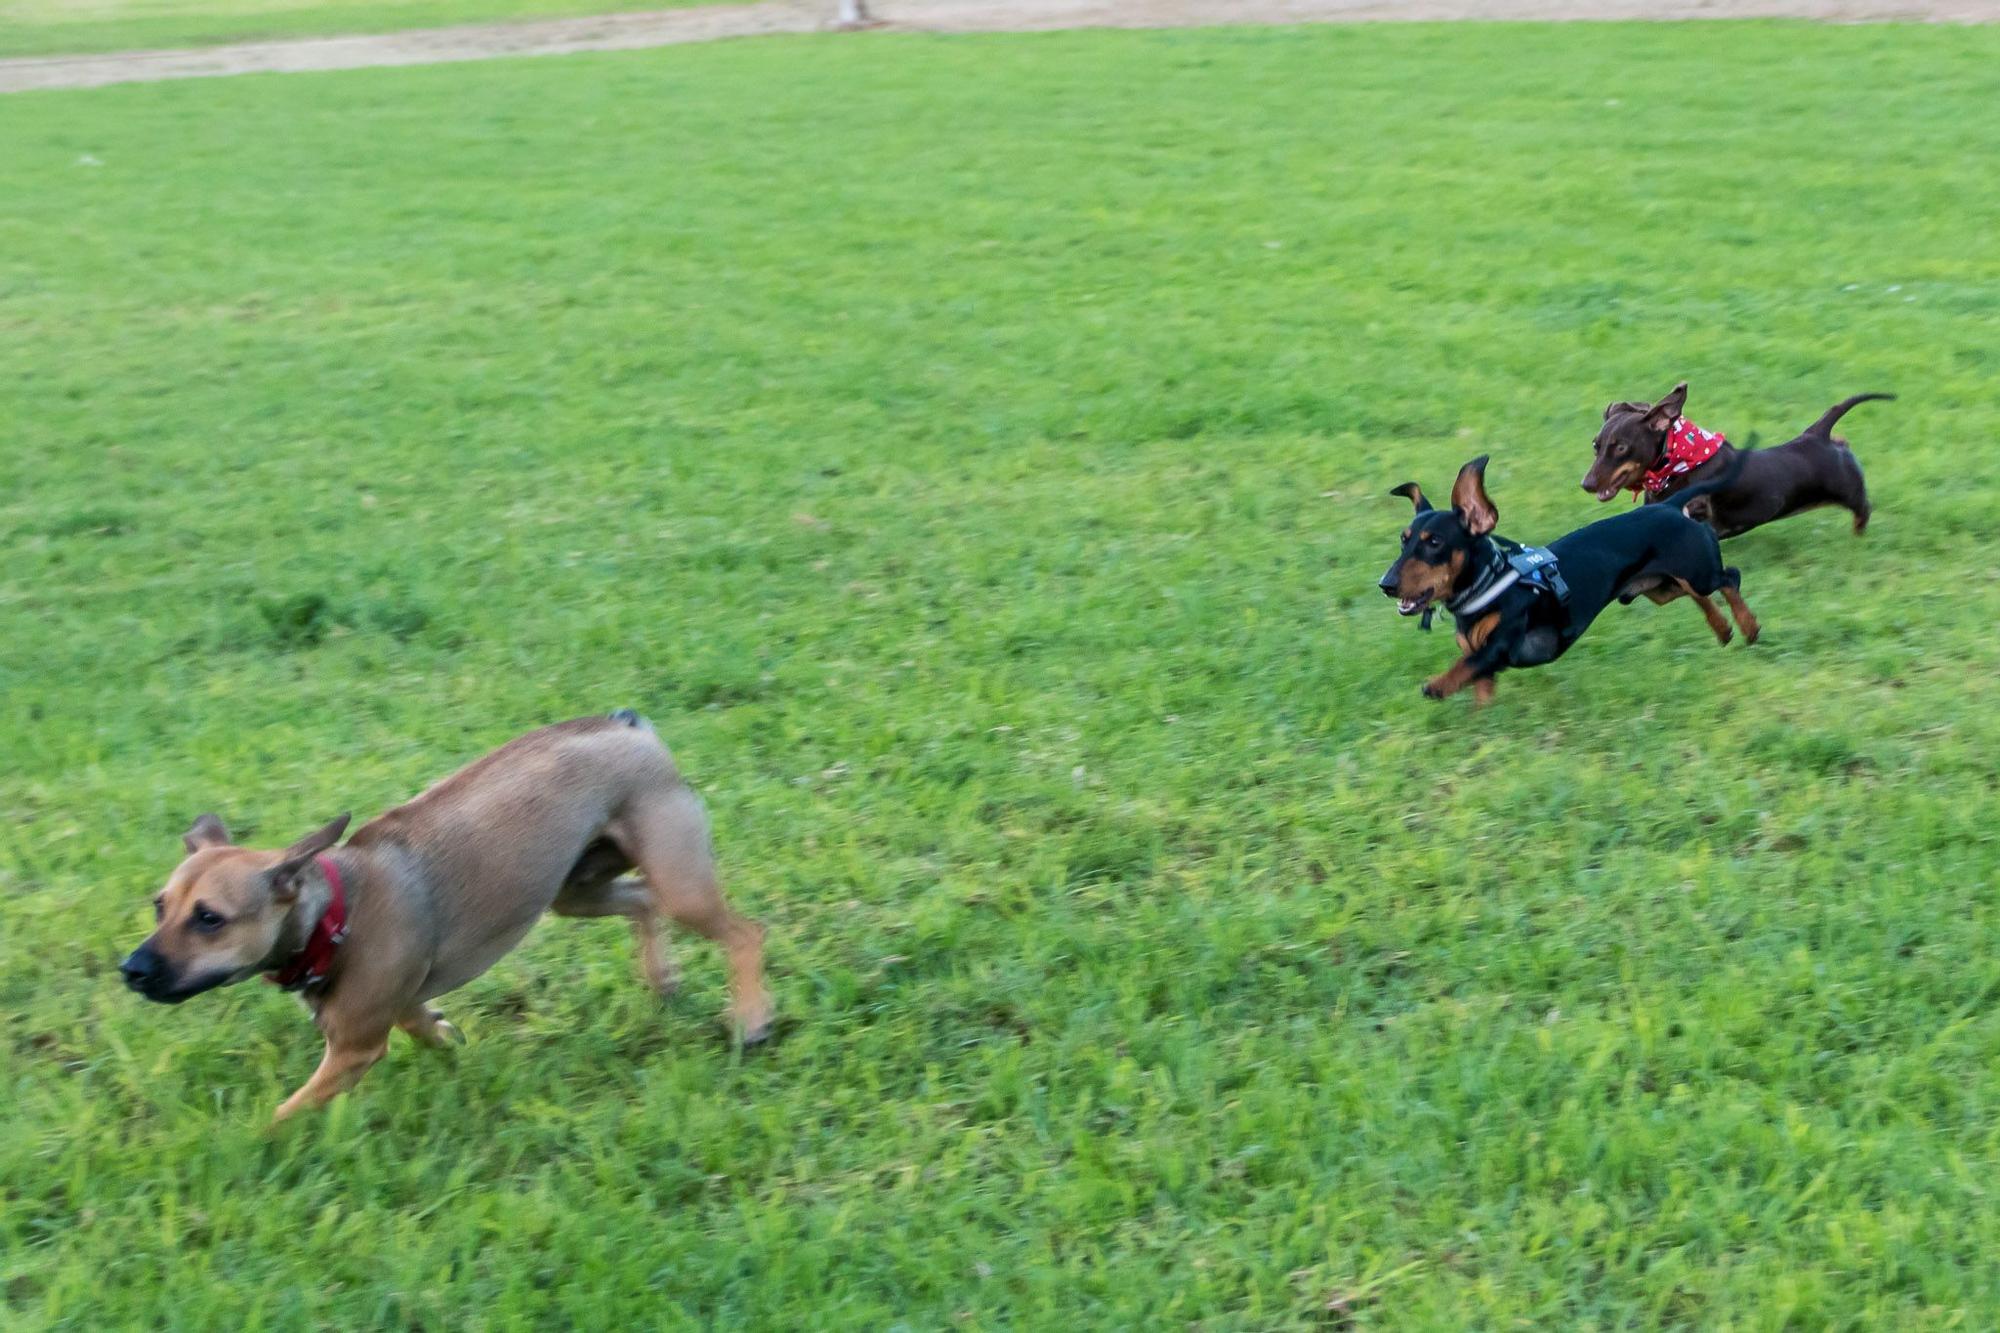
{"points": [[665, 832], [631, 899], [429, 1027], [1716, 621], [1850, 489], [1732, 584]]}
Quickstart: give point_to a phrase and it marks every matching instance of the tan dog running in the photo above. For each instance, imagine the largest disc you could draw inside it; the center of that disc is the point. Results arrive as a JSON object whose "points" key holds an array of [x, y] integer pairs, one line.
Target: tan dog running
{"points": [[428, 896]]}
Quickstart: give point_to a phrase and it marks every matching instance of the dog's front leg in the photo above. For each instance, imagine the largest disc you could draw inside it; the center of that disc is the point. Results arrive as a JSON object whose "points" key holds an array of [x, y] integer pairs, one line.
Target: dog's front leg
{"points": [[1482, 686], [1465, 671], [346, 1060], [1481, 659], [1451, 681]]}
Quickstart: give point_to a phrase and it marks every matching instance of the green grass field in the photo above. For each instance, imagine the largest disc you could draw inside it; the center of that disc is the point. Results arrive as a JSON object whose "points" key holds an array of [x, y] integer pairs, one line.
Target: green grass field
{"points": [[50, 27], [972, 455]]}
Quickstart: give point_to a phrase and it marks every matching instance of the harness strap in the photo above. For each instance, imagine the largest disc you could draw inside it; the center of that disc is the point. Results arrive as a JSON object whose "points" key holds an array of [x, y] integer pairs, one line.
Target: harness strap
{"points": [[1481, 601], [1507, 564], [1495, 577]]}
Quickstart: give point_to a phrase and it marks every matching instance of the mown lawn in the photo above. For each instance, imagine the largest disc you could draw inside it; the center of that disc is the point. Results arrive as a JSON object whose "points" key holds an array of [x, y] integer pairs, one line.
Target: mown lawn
{"points": [[52, 27], [972, 455]]}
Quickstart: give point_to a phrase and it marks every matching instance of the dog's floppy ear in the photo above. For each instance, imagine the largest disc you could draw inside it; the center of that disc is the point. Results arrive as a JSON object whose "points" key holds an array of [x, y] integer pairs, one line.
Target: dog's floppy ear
{"points": [[1613, 409], [285, 875], [206, 831], [1668, 409], [1468, 499], [1414, 493]]}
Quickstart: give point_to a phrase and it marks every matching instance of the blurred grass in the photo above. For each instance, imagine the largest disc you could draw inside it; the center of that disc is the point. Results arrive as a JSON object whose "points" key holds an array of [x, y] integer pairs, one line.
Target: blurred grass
{"points": [[60, 27], [972, 455]]}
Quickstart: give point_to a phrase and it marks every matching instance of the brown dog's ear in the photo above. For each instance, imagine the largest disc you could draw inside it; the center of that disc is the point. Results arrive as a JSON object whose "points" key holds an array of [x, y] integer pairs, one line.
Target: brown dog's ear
{"points": [[1611, 409], [206, 831], [1468, 498], [1414, 493], [285, 875], [1668, 409]]}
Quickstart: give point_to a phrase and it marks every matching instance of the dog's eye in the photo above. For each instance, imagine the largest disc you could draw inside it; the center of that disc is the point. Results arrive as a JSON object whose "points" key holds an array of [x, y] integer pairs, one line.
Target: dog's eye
{"points": [[205, 920], [159, 909]]}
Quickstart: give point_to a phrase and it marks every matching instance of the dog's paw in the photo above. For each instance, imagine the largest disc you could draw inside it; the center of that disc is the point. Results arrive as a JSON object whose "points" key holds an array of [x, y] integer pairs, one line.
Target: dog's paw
{"points": [[752, 1026], [1434, 688], [432, 1029]]}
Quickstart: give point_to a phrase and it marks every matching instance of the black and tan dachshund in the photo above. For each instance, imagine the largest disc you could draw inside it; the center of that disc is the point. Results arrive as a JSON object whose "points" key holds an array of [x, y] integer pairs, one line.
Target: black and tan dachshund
{"points": [[1521, 607]]}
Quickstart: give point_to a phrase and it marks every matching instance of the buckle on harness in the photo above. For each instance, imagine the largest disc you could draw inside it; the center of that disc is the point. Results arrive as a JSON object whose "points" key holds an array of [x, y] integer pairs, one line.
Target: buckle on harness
{"points": [[1538, 568]]}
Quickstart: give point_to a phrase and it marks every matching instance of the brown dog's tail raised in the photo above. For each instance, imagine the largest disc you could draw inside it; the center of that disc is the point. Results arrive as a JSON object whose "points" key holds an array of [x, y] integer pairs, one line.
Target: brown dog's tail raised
{"points": [[1823, 428]]}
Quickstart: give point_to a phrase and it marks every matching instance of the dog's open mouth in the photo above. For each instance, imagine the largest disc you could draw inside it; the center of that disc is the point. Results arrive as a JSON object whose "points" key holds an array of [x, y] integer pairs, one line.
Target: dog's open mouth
{"points": [[1409, 606], [1624, 477]]}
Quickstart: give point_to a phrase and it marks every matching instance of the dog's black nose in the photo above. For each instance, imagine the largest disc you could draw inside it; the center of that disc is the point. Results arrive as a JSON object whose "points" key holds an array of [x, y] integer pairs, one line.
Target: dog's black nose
{"points": [[1388, 583], [140, 967]]}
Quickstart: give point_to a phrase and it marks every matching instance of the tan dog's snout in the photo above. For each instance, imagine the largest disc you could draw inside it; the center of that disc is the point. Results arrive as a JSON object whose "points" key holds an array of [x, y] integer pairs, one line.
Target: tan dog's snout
{"points": [[150, 972], [159, 978], [145, 971]]}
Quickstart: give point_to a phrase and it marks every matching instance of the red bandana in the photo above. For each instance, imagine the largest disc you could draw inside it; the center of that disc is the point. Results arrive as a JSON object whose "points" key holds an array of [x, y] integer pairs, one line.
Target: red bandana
{"points": [[308, 966], [1688, 447]]}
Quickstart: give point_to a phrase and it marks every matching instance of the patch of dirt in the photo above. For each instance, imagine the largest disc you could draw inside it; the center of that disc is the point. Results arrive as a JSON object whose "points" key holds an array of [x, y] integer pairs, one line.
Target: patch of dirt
{"points": [[624, 32]]}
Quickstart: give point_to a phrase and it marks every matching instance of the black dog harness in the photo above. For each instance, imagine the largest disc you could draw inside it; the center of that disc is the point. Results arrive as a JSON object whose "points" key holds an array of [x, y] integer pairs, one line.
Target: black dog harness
{"points": [[1503, 565]]}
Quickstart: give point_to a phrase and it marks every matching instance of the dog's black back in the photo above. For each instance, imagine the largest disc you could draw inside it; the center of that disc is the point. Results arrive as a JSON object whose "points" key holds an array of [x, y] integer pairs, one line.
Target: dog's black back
{"points": [[1617, 558]]}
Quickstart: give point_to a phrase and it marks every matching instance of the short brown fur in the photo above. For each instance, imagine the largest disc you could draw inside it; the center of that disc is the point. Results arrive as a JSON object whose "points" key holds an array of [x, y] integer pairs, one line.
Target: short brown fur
{"points": [[1716, 623], [1420, 579], [1745, 620], [442, 887], [1814, 468], [1471, 642]]}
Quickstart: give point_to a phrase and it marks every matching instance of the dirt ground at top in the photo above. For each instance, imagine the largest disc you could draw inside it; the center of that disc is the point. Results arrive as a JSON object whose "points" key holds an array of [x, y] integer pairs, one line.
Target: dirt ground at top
{"points": [[619, 32]]}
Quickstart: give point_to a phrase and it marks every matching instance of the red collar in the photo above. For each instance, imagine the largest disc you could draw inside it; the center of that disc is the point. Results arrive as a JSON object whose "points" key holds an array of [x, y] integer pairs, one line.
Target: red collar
{"points": [[1688, 447], [308, 966]]}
